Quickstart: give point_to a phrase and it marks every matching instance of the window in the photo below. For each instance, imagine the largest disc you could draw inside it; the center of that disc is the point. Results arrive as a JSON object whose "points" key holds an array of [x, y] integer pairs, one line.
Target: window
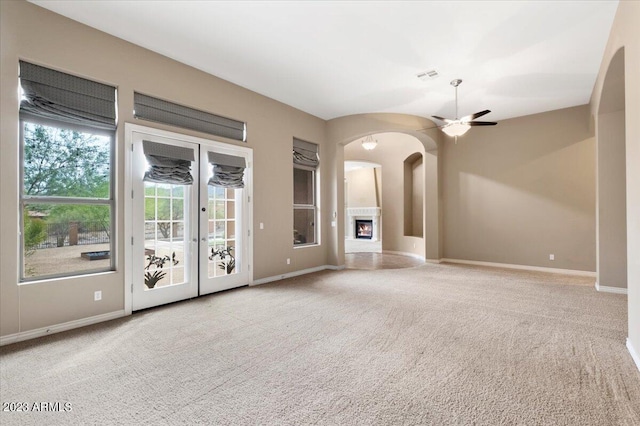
{"points": [[305, 200], [66, 181]]}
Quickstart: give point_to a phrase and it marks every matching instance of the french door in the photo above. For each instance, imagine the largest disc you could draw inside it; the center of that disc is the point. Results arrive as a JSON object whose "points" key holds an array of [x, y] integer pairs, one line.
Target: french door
{"points": [[224, 230], [188, 238]]}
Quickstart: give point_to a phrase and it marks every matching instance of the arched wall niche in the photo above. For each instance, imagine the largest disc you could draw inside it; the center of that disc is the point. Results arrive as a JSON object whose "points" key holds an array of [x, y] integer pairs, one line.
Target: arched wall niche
{"points": [[413, 189], [344, 130]]}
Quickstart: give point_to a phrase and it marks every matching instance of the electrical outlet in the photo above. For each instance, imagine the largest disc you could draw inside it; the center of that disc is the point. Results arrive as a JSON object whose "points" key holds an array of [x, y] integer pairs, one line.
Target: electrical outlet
{"points": [[261, 225], [552, 257], [97, 296], [288, 261]]}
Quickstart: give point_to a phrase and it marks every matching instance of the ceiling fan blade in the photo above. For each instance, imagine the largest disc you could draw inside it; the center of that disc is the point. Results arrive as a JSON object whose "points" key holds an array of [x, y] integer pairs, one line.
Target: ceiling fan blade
{"points": [[447, 120], [481, 123], [476, 115]]}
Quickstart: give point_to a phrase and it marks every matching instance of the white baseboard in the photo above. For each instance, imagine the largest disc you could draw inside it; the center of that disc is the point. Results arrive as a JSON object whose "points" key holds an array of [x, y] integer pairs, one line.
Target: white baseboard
{"points": [[522, 267], [634, 354], [335, 268], [39, 332], [404, 253], [606, 289], [296, 273]]}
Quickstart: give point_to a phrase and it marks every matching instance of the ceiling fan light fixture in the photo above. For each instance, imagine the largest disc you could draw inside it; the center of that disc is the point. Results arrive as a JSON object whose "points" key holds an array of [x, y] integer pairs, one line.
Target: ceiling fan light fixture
{"points": [[369, 143], [456, 129]]}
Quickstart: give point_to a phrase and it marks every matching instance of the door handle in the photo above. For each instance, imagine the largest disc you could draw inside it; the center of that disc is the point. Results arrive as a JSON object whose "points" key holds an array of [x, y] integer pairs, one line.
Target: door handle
{"points": [[204, 239], [195, 240]]}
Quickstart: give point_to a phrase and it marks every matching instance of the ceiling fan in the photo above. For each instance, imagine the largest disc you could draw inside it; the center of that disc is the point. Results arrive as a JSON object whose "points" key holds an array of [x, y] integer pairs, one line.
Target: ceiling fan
{"points": [[459, 126]]}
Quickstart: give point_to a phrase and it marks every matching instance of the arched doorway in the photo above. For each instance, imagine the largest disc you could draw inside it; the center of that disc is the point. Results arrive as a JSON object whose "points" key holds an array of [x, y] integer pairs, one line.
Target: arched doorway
{"points": [[344, 130], [396, 208]]}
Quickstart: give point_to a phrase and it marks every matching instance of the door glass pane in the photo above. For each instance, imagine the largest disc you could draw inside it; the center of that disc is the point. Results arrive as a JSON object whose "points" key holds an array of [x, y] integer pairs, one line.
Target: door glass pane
{"points": [[163, 230], [164, 256], [150, 207], [177, 231], [231, 229], [164, 208], [221, 231], [177, 209], [220, 214], [231, 208], [163, 189], [178, 191], [215, 191]]}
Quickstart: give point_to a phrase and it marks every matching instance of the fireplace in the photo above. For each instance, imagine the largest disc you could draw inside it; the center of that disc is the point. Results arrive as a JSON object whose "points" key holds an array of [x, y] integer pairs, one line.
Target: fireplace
{"points": [[369, 216], [364, 229]]}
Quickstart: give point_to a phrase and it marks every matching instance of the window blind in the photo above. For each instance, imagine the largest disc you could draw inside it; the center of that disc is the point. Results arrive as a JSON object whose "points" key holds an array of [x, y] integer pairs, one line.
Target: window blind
{"points": [[305, 153], [168, 163], [161, 111], [228, 170], [56, 95]]}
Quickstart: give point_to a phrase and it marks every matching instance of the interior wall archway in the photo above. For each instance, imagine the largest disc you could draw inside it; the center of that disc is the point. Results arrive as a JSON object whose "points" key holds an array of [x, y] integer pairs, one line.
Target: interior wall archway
{"points": [[611, 219], [344, 130]]}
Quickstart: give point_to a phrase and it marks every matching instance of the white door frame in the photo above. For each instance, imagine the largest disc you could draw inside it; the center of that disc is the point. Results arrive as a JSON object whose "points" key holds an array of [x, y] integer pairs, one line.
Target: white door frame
{"points": [[130, 129]]}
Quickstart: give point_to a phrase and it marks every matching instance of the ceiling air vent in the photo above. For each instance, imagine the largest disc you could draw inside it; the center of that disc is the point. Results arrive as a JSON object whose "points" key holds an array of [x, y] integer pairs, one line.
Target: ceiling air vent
{"points": [[428, 75]]}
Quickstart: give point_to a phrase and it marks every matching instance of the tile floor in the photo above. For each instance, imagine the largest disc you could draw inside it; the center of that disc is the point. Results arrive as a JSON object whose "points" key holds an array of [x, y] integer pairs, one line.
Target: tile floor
{"points": [[365, 254]]}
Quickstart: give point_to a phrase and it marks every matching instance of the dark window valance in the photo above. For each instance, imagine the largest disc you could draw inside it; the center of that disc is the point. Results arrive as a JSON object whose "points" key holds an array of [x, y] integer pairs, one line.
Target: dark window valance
{"points": [[59, 96], [168, 163], [228, 170], [305, 153], [161, 111]]}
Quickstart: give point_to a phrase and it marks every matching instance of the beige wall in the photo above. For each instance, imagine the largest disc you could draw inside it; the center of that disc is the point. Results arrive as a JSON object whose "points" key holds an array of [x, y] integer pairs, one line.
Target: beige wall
{"points": [[522, 190], [34, 34], [612, 220], [626, 33], [362, 187]]}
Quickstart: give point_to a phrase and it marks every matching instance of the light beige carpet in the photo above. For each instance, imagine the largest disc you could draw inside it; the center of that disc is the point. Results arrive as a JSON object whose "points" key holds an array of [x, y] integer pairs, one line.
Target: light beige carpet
{"points": [[431, 345]]}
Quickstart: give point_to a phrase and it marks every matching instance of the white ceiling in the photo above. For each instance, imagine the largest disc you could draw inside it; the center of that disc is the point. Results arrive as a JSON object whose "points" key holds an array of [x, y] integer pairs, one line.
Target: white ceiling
{"points": [[336, 58]]}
